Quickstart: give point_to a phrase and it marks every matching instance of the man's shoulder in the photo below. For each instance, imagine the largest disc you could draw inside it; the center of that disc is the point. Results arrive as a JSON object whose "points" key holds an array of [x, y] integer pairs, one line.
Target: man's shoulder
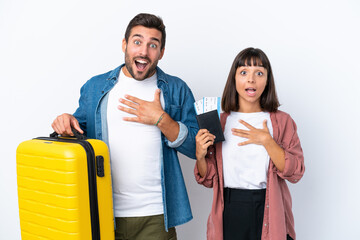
{"points": [[170, 79], [112, 74], [101, 79]]}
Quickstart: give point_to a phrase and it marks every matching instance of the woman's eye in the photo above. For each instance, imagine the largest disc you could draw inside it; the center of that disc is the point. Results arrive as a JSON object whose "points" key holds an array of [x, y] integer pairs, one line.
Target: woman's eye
{"points": [[137, 42], [153, 45], [243, 72], [260, 73]]}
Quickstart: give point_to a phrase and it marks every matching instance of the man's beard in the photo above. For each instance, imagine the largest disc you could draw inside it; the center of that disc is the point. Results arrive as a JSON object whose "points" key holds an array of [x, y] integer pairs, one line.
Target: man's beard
{"points": [[148, 73]]}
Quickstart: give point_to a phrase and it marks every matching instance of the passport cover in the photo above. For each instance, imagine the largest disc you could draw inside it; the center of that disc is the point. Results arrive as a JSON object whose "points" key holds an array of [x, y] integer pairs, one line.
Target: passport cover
{"points": [[210, 121]]}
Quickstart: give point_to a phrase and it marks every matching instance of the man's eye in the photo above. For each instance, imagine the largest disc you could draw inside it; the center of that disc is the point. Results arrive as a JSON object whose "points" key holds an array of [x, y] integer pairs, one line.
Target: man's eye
{"points": [[153, 45], [137, 42]]}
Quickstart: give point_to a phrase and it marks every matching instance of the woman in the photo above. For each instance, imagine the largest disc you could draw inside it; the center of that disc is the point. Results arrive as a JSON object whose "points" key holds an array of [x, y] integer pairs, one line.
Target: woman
{"points": [[248, 170]]}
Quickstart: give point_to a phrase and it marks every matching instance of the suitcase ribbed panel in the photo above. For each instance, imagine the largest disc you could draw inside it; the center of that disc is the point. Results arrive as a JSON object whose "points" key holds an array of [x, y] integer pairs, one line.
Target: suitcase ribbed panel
{"points": [[53, 191]]}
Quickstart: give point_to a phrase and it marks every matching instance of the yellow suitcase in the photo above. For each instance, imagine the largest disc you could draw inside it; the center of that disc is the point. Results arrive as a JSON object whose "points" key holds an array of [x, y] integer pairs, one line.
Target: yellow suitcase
{"points": [[64, 189]]}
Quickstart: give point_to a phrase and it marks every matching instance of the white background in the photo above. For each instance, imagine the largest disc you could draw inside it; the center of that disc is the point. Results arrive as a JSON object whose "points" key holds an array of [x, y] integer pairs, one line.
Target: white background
{"points": [[48, 49]]}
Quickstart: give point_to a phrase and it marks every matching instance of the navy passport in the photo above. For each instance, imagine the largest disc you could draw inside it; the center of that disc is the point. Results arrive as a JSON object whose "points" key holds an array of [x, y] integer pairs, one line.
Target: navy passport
{"points": [[210, 121]]}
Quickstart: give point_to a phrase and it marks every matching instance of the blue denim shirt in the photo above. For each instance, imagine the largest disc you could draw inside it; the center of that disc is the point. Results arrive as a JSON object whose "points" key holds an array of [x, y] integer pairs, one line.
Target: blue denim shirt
{"points": [[179, 100]]}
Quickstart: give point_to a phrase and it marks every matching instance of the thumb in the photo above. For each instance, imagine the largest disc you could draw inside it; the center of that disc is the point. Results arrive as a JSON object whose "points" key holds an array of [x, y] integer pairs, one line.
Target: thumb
{"points": [[157, 95], [265, 125], [76, 125]]}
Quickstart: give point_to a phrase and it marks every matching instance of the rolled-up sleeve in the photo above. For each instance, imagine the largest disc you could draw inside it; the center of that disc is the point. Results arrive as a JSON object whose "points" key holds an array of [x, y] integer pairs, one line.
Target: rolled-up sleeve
{"points": [[183, 133], [208, 179], [294, 157]]}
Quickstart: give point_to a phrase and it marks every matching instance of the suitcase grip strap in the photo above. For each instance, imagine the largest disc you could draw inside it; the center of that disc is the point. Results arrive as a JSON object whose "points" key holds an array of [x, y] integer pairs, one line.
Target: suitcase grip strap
{"points": [[78, 135]]}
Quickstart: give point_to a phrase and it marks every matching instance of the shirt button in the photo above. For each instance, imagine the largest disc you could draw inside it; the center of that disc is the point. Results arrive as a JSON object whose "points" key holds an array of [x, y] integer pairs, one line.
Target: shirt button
{"points": [[267, 206], [210, 152], [265, 224]]}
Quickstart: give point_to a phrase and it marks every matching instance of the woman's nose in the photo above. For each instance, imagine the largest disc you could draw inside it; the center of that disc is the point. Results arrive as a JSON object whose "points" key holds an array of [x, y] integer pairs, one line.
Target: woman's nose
{"points": [[251, 79]]}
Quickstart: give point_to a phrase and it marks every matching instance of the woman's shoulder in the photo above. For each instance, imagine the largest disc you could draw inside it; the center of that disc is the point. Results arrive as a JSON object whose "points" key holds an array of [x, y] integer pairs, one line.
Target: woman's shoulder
{"points": [[281, 115], [282, 120], [223, 116]]}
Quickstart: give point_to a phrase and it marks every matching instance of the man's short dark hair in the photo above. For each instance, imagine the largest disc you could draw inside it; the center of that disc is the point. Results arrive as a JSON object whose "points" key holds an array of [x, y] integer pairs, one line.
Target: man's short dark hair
{"points": [[148, 21]]}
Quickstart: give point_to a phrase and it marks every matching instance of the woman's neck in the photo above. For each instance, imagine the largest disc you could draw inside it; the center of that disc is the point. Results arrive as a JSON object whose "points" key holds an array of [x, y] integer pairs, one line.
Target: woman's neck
{"points": [[249, 108]]}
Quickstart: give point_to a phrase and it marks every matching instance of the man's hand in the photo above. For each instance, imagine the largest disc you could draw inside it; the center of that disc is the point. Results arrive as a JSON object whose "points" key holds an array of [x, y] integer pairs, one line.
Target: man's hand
{"points": [[145, 112], [63, 123]]}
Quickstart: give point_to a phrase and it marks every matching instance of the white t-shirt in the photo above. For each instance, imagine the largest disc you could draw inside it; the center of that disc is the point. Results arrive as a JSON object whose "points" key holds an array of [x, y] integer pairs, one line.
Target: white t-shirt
{"points": [[245, 167], [135, 151]]}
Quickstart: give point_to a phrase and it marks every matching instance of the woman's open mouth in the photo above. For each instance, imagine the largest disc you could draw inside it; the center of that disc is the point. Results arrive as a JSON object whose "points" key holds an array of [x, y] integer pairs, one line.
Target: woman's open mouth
{"points": [[250, 92]]}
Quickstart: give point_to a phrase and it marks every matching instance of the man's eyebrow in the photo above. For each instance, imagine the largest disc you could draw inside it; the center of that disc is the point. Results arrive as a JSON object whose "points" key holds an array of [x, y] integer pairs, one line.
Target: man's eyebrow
{"points": [[137, 35], [155, 39], [141, 36]]}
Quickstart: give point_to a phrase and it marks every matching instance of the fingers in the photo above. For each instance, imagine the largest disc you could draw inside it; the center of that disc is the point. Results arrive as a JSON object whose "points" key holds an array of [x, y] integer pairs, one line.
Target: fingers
{"points": [[133, 99], [76, 125], [129, 103], [131, 119], [55, 127], [63, 123], [246, 124], [203, 137], [203, 133], [128, 110], [208, 144], [206, 139], [240, 132], [244, 143], [67, 126]]}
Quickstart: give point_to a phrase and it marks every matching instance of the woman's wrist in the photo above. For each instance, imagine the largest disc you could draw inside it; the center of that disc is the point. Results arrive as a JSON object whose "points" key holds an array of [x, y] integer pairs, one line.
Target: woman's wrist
{"points": [[200, 158], [268, 141]]}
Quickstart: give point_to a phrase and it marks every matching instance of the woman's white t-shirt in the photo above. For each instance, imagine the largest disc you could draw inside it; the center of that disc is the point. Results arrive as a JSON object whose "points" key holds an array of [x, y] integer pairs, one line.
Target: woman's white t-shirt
{"points": [[245, 167]]}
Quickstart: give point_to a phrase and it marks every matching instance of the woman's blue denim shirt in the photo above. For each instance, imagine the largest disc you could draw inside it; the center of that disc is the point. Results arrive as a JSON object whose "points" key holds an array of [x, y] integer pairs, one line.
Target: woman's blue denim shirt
{"points": [[179, 104]]}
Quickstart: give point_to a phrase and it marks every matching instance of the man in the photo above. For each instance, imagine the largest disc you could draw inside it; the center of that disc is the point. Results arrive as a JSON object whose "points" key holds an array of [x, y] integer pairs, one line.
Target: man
{"points": [[145, 116]]}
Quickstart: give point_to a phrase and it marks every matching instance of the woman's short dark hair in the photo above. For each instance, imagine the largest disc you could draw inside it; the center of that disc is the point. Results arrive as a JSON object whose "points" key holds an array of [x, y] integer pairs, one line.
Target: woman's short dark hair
{"points": [[148, 21], [250, 57]]}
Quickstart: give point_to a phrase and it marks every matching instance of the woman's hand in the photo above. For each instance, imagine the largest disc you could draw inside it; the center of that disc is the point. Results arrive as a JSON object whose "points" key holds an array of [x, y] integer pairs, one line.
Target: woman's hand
{"points": [[254, 135], [262, 137], [204, 139]]}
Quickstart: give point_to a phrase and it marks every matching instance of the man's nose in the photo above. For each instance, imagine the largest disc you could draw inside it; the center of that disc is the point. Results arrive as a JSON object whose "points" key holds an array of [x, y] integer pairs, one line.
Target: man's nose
{"points": [[143, 50]]}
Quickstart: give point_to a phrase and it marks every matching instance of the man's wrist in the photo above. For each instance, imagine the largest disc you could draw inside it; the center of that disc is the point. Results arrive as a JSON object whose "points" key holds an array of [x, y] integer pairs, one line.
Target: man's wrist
{"points": [[159, 119]]}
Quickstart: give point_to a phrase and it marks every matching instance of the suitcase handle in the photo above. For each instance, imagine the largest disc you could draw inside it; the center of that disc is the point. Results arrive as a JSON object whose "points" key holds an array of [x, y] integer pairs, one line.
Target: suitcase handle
{"points": [[77, 135]]}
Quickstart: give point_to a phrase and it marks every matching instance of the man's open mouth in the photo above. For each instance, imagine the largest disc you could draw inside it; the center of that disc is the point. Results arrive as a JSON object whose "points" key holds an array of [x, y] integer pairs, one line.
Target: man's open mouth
{"points": [[141, 64]]}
